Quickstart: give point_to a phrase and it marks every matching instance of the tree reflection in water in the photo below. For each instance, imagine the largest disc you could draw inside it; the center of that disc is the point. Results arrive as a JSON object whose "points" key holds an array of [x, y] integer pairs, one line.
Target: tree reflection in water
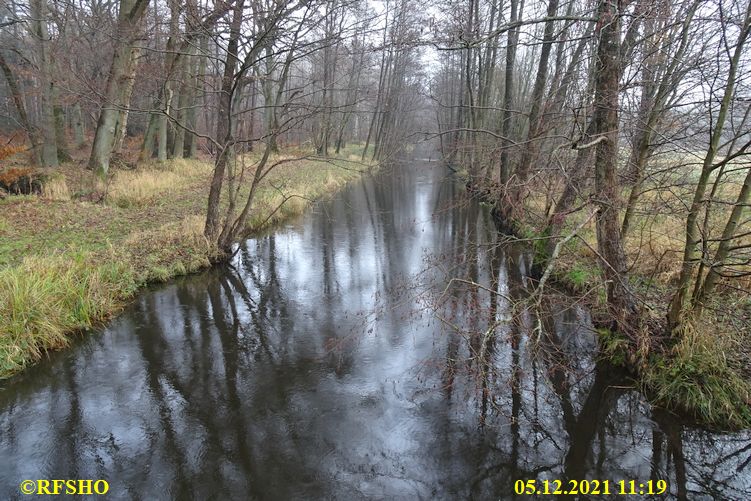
{"points": [[316, 367]]}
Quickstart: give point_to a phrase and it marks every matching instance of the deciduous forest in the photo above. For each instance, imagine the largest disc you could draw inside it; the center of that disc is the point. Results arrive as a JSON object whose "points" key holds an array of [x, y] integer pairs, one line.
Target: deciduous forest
{"points": [[495, 165]]}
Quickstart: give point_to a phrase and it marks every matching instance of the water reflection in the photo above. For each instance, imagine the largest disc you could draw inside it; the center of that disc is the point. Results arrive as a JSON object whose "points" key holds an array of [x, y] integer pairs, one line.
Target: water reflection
{"points": [[373, 350]]}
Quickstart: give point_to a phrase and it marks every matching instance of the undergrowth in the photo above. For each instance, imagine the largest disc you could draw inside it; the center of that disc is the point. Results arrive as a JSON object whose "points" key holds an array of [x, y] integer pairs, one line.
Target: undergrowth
{"points": [[696, 377], [693, 377], [45, 298]]}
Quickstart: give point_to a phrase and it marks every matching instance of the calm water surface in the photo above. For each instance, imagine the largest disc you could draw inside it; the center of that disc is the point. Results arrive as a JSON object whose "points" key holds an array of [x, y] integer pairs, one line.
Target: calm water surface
{"points": [[348, 356]]}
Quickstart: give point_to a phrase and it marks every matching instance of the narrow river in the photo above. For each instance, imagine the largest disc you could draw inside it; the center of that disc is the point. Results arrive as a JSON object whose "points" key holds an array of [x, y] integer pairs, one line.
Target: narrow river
{"points": [[337, 359]]}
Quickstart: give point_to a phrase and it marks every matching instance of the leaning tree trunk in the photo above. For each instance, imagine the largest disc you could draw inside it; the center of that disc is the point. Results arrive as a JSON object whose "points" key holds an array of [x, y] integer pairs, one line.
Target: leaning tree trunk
{"points": [[223, 127], [727, 242], [681, 305], [530, 151], [21, 108]]}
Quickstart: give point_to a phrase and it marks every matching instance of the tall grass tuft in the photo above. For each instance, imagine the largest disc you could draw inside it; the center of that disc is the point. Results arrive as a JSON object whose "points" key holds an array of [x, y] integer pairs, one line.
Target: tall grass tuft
{"points": [[696, 377], [44, 298], [137, 188], [55, 187]]}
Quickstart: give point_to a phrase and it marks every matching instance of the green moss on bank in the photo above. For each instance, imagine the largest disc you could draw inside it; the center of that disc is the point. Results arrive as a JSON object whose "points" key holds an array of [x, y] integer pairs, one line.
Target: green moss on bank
{"points": [[67, 264]]}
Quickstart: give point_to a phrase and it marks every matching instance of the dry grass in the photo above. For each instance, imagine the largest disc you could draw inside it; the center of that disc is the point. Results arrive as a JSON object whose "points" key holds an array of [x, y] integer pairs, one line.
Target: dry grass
{"points": [[142, 186], [699, 378], [655, 241], [55, 187]]}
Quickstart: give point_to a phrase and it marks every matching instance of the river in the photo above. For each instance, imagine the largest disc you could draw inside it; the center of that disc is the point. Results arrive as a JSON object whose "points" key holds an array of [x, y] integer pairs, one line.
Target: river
{"points": [[347, 355]]}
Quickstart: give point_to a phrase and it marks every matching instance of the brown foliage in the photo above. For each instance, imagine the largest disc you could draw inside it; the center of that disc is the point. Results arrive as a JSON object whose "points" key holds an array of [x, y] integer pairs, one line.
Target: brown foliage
{"points": [[20, 181], [8, 150]]}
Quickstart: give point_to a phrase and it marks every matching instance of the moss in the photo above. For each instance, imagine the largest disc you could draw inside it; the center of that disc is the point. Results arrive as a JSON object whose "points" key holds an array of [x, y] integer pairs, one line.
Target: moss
{"points": [[614, 347], [582, 276]]}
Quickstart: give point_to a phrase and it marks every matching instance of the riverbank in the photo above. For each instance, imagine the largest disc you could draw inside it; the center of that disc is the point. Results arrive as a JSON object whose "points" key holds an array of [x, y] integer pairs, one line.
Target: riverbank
{"points": [[72, 257], [705, 374]]}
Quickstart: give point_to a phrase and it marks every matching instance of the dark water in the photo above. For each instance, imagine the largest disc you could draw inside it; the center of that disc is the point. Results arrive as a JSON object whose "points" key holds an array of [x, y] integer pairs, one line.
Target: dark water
{"points": [[337, 359]]}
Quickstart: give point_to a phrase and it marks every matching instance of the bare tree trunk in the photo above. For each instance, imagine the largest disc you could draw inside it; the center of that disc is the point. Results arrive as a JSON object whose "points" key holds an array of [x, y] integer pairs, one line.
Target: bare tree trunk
{"points": [[508, 96], [129, 17], [168, 90], [726, 245], [352, 94], [200, 86], [149, 137], [530, 149], [185, 110], [681, 305], [121, 128], [63, 152], [223, 128], [652, 105], [78, 126], [613, 258], [381, 83], [268, 98], [47, 117]]}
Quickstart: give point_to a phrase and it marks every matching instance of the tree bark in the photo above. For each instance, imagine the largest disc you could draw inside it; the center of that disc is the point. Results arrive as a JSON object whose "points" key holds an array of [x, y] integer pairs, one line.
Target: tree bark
{"points": [[726, 242], [613, 258], [121, 128], [508, 101], [78, 126], [530, 150], [129, 17], [223, 128], [681, 305], [48, 155]]}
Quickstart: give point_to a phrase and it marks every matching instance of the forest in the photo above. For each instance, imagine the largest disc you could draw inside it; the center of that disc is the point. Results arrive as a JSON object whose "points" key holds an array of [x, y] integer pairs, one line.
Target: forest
{"points": [[142, 141]]}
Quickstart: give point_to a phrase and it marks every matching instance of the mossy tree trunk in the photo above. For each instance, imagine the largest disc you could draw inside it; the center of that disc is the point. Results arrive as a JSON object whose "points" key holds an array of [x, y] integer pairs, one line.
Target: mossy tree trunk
{"points": [[608, 70]]}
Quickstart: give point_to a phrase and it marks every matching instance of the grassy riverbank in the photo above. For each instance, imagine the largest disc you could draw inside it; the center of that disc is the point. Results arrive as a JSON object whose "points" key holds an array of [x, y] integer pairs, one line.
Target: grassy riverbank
{"points": [[67, 262], [706, 373]]}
